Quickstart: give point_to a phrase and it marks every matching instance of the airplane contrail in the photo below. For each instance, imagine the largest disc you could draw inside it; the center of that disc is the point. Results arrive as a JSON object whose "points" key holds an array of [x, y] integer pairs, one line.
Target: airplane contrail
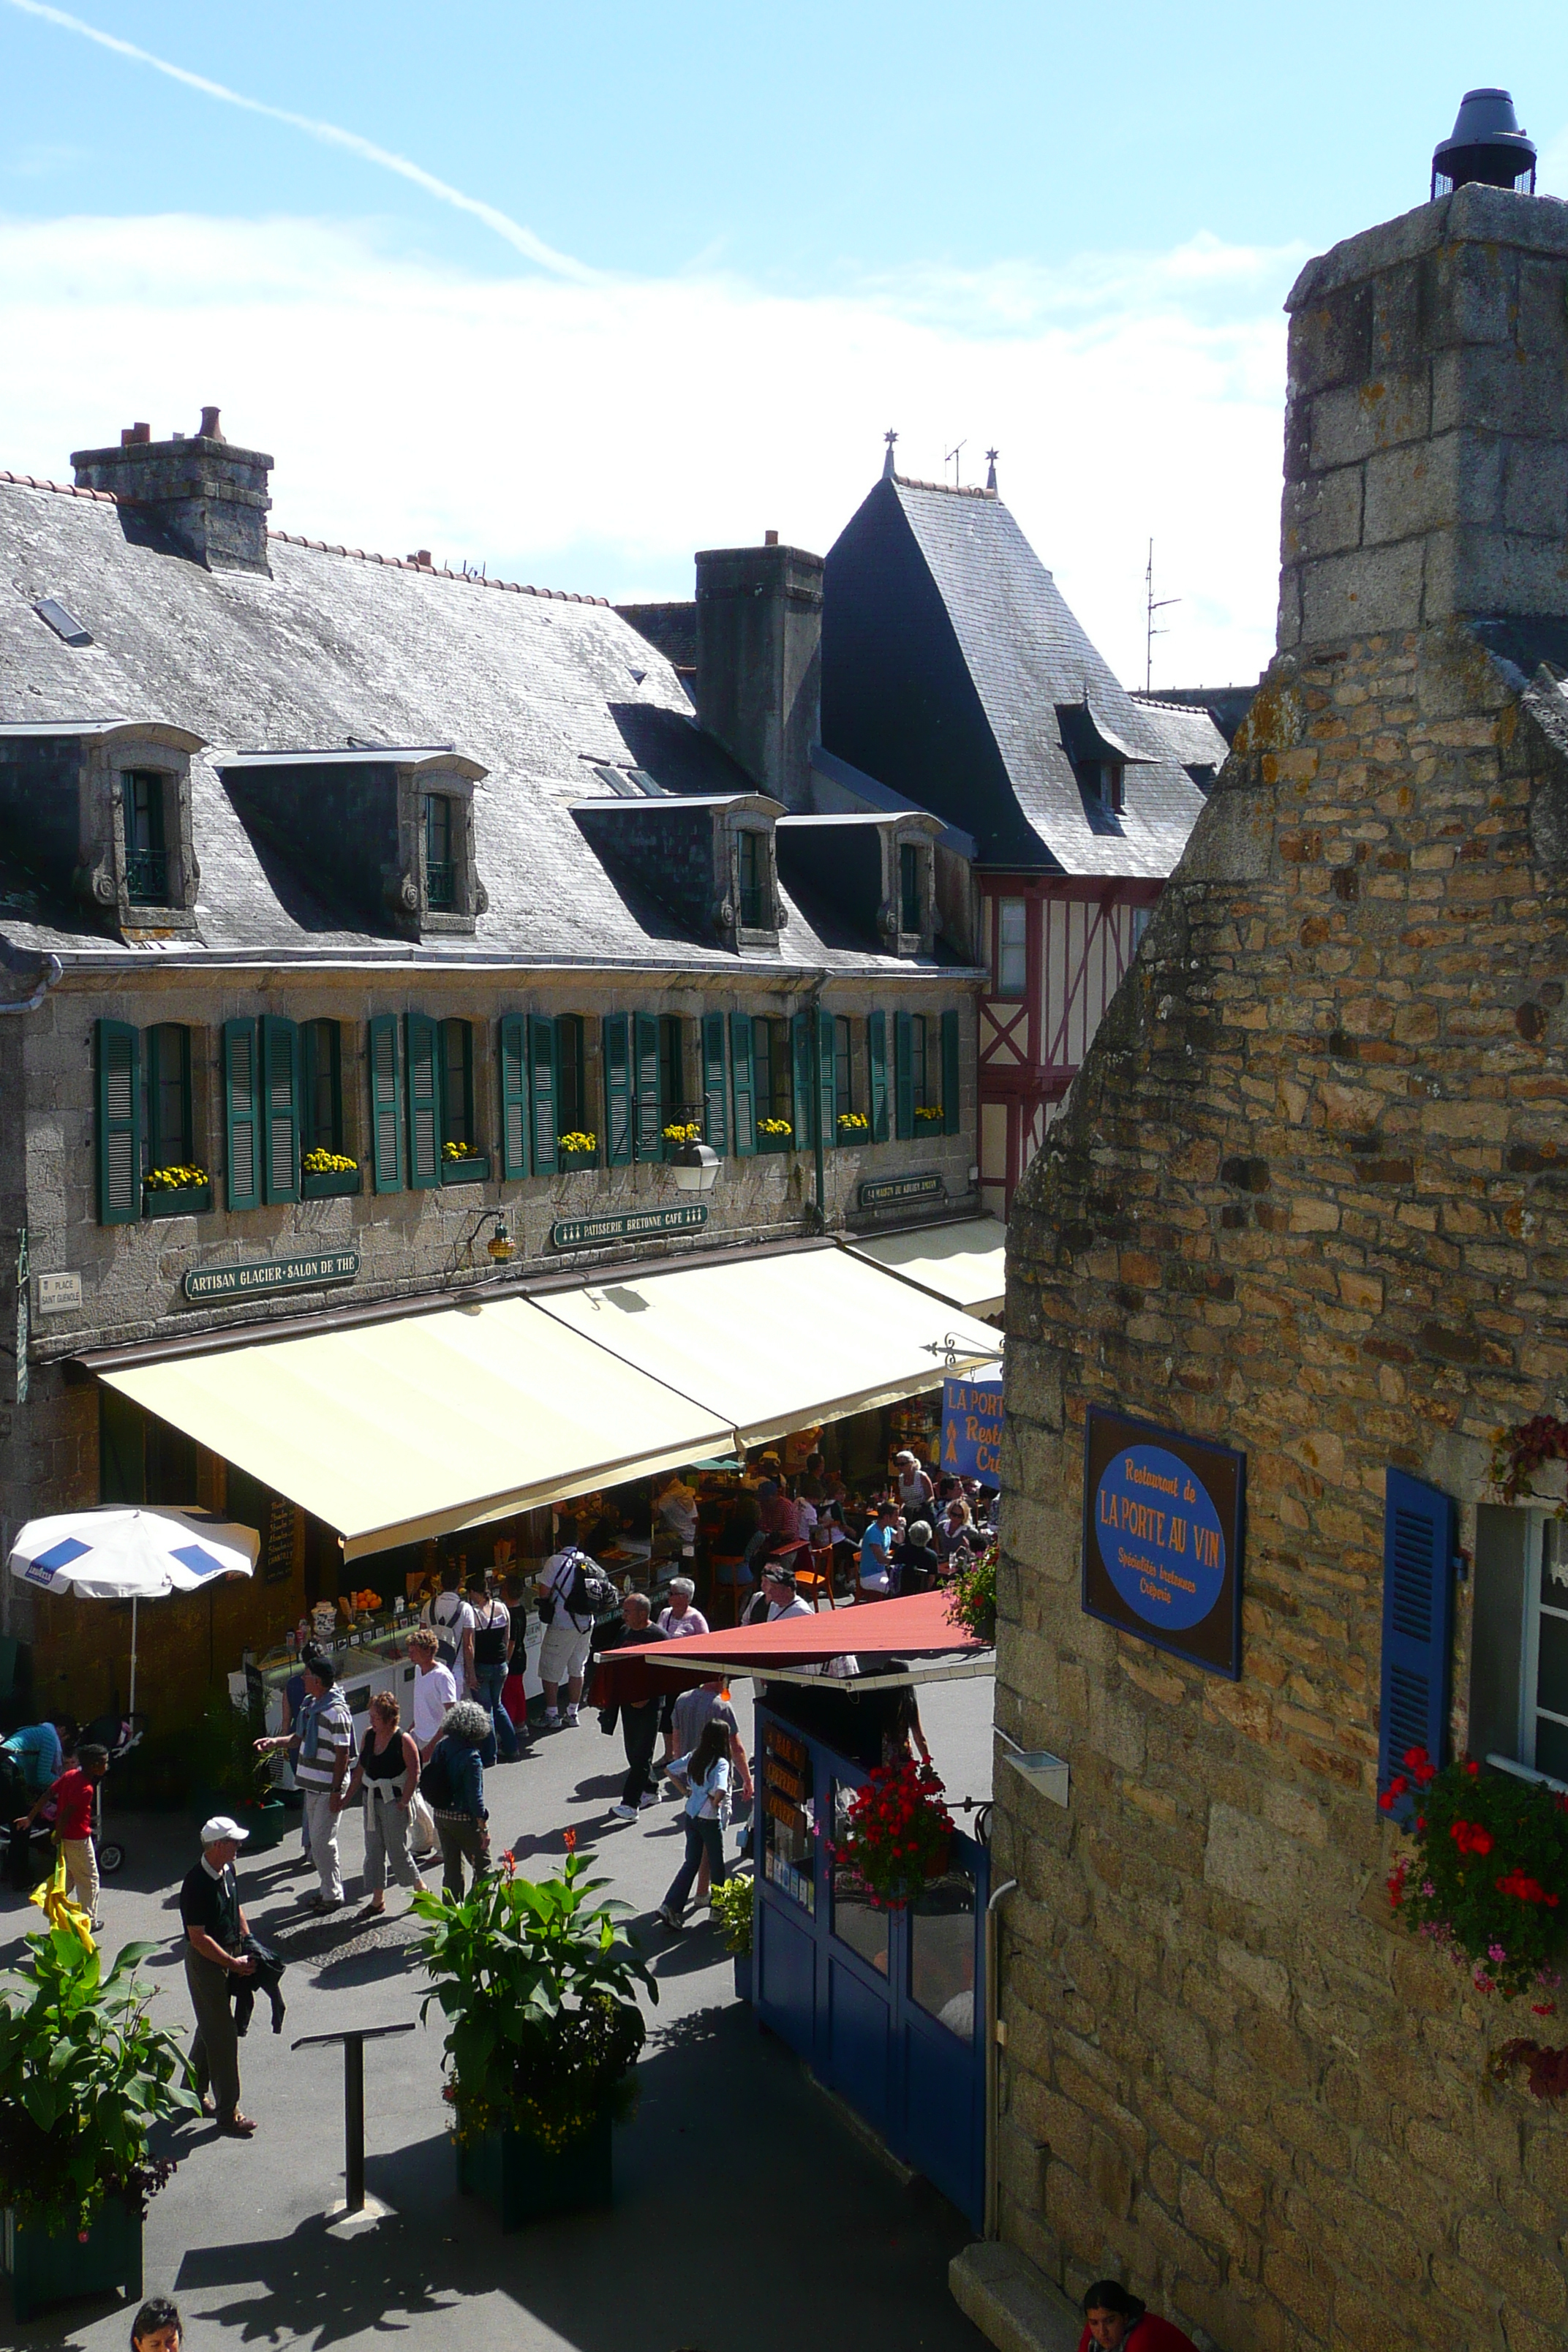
{"points": [[330, 135]]}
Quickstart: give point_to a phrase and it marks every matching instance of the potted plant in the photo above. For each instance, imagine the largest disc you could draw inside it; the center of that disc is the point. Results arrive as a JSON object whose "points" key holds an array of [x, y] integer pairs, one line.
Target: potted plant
{"points": [[538, 1990], [971, 1597], [774, 1134], [464, 1163], [84, 2075], [577, 1149], [854, 1127], [678, 1134], [227, 1776], [731, 1903], [897, 1833], [928, 1116], [176, 1191], [1487, 1879], [328, 1175]]}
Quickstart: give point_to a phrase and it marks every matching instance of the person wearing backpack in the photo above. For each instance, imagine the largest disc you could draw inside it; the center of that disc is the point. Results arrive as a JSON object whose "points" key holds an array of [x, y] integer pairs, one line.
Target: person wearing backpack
{"points": [[452, 1622], [453, 1786], [492, 1647], [573, 1592]]}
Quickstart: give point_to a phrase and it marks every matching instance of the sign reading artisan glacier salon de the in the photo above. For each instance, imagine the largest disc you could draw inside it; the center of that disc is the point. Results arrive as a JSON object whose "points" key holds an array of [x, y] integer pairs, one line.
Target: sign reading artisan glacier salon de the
{"points": [[271, 1274], [1163, 1527]]}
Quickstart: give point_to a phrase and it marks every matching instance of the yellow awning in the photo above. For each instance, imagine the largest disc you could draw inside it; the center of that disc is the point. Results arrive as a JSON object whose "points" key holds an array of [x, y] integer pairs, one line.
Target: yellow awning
{"points": [[429, 1424], [778, 1341], [963, 1263]]}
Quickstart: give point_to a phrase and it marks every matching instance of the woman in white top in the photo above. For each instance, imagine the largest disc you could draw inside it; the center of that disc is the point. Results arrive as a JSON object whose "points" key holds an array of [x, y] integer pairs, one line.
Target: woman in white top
{"points": [[681, 1618], [916, 1493], [706, 1810]]}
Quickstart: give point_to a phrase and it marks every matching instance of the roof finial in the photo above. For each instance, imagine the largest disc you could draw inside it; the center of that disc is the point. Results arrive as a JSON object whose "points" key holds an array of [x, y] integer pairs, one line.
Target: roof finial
{"points": [[990, 457], [890, 437]]}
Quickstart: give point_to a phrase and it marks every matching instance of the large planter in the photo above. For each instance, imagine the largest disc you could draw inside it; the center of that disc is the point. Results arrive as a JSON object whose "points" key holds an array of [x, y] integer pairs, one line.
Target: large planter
{"points": [[47, 2266], [337, 1184], [525, 2181], [181, 1201], [766, 1143], [570, 1161], [474, 1170]]}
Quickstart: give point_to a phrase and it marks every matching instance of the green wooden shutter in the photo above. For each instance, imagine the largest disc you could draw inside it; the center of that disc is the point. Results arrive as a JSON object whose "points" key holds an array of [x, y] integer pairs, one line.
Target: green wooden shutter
{"points": [[118, 1144], [240, 1115], [280, 1109], [826, 1077], [424, 1102], [743, 1085], [386, 1105], [645, 1063], [803, 1079], [876, 1075], [715, 1096], [949, 1073], [541, 1088], [903, 1077], [617, 1089], [514, 1095]]}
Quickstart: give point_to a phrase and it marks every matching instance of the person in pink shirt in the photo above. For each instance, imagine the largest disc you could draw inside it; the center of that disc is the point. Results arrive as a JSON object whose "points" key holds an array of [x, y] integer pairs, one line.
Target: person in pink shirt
{"points": [[681, 1618]]}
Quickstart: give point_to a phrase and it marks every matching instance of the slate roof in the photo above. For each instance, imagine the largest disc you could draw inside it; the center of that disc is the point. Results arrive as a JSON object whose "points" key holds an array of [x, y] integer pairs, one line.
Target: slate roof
{"points": [[947, 650], [543, 689], [1191, 733]]}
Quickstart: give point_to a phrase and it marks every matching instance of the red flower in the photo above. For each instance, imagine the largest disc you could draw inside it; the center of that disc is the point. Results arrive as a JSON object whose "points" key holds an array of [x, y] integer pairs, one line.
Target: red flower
{"points": [[568, 1839], [1471, 1769], [1470, 1838]]}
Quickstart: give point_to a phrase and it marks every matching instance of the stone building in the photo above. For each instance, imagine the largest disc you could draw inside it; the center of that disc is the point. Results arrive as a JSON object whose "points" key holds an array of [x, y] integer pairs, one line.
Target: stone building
{"points": [[1305, 1205], [366, 928]]}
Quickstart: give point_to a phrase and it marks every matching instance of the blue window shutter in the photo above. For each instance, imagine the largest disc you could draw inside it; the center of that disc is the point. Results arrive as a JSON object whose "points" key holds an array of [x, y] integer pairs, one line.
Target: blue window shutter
{"points": [[514, 1095], [804, 1075], [617, 1089], [826, 1077], [241, 1115], [280, 1109], [118, 1134], [424, 1102], [1419, 1540], [645, 1070], [715, 1093], [876, 1075], [742, 1085], [949, 1073], [541, 1086], [903, 1077], [386, 1105]]}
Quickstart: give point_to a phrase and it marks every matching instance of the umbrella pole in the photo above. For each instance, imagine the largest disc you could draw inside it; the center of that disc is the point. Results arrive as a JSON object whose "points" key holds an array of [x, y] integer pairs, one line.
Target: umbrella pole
{"points": [[132, 1709]]}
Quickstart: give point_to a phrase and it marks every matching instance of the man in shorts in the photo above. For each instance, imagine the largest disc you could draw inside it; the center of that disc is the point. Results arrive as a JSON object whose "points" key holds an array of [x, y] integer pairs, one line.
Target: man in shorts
{"points": [[563, 1653]]}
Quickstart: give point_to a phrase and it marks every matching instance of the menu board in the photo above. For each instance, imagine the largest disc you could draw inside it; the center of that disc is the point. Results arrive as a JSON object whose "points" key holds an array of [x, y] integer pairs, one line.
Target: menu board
{"points": [[789, 1847], [278, 1551]]}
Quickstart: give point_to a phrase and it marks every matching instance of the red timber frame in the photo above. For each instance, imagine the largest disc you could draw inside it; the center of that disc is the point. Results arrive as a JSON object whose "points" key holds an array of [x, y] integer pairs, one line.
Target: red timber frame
{"points": [[1080, 935]]}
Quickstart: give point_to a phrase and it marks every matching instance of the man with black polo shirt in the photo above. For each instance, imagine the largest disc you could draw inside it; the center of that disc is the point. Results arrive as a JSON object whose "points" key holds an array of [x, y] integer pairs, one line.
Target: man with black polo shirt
{"points": [[214, 1924]]}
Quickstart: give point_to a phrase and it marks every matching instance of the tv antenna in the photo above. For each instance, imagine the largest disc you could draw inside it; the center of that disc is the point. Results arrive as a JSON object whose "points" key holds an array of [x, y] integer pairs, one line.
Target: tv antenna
{"points": [[951, 459], [1152, 604]]}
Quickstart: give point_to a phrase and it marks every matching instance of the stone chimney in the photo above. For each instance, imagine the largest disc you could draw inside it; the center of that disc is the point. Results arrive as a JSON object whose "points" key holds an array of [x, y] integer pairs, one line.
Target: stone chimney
{"points": [[1427, 422], [200, 493], [759, 661]]}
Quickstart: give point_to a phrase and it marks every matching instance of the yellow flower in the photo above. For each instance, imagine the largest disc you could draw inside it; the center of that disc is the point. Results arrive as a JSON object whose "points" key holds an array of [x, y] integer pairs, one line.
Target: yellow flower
{"points": [[173, 1179], [683, 1131], [578, 1139], [774, 1127], [329, 1164], [58, 1907], [458, 1151]]}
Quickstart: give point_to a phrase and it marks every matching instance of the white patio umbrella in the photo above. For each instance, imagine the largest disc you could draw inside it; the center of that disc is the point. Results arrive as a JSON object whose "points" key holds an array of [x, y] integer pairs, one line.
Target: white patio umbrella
{"points": [[130, 1553]]}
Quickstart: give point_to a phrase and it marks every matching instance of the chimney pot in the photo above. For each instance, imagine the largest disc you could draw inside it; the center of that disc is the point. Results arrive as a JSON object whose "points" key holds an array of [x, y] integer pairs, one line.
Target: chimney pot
{"points": [[211, 429], [208, 501], [770, 538], [425, 560], [131, 434]]}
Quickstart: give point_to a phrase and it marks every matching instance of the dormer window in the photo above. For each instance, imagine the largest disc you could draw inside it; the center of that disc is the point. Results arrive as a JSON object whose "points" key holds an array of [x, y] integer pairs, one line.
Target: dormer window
{"points": [[1102, 779], [440, 864], [754, 891], [146, 849], [1101, 756]]}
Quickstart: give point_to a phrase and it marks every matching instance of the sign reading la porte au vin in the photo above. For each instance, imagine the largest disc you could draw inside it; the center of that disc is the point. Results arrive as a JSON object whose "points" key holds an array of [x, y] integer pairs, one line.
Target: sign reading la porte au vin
{"points": [[1163, 1531]]}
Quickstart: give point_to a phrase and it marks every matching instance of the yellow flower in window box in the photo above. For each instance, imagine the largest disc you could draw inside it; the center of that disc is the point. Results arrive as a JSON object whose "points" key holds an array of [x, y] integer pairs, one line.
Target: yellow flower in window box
{"points": [[854, 1122], [460, 1152], [683, 1131], [578, 1139], [320, 1162], [930, 1113], [175, 1179]]}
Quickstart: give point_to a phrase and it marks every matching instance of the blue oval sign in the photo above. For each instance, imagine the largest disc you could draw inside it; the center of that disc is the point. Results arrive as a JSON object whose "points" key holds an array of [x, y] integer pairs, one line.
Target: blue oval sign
{"points": [[1160, 1537]]}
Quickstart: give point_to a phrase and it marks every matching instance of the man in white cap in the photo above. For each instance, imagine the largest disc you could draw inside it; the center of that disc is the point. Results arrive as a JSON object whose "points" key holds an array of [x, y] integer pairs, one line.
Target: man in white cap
{"points": [[214, 1924]]}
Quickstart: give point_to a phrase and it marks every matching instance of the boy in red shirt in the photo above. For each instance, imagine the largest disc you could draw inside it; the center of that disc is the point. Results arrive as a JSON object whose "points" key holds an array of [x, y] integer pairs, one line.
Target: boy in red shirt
{"points": [[75, 1797]]}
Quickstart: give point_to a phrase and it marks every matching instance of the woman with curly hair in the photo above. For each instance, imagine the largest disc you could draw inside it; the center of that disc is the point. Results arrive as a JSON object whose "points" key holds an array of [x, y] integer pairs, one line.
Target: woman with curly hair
{"points": [[454, 1789]]}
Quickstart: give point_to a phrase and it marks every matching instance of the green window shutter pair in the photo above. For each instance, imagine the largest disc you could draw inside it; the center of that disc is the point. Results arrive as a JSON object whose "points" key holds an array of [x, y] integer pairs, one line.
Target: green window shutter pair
{"points": [[949, 1073], [826, 1077], [715, 1094], [617, 1057], [876, 1075], [804, 1079], [423, 1091], [903, 1077], [117, 1126], [742, 1085], [242, 1114], [261, 1111], [514, 1119], [385, 1104], [541, 1092], [649, 1119]]}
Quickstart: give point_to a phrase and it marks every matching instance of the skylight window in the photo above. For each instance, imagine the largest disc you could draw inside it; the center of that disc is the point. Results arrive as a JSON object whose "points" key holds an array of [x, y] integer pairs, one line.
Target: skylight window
{"points": [[64, 624]]}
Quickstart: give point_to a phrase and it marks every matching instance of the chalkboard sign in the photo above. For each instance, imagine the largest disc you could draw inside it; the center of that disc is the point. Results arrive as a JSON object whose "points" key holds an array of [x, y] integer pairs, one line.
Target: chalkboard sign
{"points": [[278, 1550], [1163, 1527]]}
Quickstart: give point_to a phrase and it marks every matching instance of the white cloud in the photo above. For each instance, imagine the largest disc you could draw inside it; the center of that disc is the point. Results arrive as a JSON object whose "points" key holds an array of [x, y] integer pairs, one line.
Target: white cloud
{"points": [[592, 436]]}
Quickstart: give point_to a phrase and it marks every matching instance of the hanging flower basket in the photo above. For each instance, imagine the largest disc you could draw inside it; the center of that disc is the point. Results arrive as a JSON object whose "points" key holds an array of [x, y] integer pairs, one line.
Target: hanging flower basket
{"points": [[898, 1834], [1488, 1881]]}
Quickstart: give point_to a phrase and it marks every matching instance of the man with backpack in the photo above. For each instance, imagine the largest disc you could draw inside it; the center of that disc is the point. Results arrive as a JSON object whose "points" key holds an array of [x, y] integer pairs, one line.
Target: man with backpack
{"points": [[573, 1592], [452, 1621]]}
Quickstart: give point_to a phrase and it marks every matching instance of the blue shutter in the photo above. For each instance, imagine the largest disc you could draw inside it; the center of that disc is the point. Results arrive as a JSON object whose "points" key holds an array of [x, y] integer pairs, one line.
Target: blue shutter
{"points": [[1419, 1542], [241, 1112], [903, 1076], [742, 1085], [280, 1109], [118, 1134], [541, 1086], [949, 1073], [514, 1095], [876, 1075], [804, 1078], [617, 1089], [715, 1095], [645, 1070], [386, 1105], [424, 1102]]}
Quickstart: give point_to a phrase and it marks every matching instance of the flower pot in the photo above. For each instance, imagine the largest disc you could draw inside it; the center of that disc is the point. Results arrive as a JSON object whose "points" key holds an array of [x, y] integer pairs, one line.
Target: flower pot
{"points": [[571, 1161], [525, 2181], [51, 2267], [474, 1170], [742, 1975], [336, 1185], [181, 1201], [766, 1143]]}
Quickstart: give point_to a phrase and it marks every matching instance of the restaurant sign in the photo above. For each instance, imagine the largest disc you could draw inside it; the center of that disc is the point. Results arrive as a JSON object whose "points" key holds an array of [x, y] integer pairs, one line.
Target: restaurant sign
{"points": [[271, 1274], [590, 1233], [1162, 1524], [883, 1190], [972, 1428]]}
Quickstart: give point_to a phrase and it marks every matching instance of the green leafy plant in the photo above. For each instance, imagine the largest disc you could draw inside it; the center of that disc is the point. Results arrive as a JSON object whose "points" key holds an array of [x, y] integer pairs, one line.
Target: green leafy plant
{"points": [[222, 1754], [731, 1903], [539, 1988], [84, 2075], [971, 1597], [897, 1834], [1488, 1877]]}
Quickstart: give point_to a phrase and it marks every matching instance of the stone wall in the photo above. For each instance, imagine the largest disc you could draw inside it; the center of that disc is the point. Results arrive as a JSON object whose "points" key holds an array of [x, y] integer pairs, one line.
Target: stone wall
{"points": [[1303, 1200]]}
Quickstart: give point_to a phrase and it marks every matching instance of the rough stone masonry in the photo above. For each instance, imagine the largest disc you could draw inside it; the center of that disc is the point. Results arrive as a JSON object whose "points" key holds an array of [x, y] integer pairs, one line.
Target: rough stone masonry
{"points": [[1308, 1199]]}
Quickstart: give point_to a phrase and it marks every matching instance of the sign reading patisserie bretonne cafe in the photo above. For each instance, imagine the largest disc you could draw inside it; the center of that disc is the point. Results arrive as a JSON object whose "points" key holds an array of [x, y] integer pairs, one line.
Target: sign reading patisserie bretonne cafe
{"points": [[1163, 1529]]}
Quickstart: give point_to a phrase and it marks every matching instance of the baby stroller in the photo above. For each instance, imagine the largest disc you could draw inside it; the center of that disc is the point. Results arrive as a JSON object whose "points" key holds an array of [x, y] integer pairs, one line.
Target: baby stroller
{"points": [[117, 1734]]}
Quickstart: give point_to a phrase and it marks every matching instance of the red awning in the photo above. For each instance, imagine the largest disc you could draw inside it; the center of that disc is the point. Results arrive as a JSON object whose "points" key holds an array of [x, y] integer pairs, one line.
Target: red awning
{"points": [[918, 1627]]}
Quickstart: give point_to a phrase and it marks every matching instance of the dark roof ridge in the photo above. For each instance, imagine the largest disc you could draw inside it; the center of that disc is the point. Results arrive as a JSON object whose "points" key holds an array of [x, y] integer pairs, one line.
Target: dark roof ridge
{"points": [[949, 489]]}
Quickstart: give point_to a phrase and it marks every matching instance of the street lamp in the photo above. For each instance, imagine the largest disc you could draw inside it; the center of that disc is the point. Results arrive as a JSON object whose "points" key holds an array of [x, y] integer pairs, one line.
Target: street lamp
{"points": [[696, 1167]]}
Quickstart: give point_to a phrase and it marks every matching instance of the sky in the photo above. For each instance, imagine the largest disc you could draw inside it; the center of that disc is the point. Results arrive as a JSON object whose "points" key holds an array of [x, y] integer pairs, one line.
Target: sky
{"points": [[571, 292]]}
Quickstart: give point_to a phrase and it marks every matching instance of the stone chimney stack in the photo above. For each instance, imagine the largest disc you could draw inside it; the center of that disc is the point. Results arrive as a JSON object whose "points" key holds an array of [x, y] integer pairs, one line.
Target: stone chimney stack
{"points": [[1427, 422], [199, 492], [759, 661]]}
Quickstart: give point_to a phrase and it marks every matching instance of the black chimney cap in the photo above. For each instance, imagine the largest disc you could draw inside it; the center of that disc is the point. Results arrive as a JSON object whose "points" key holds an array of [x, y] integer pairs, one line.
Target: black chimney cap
{"points": [[1486, 145]]}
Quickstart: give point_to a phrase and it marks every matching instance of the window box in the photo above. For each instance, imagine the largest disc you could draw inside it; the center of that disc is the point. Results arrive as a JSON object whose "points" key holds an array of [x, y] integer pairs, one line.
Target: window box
{"points": [[473, 1168], [176, 1200], [570, 1162], [674, 1145], [329, 1184], [855, 1130], [765, 1142], [928, 1118]]}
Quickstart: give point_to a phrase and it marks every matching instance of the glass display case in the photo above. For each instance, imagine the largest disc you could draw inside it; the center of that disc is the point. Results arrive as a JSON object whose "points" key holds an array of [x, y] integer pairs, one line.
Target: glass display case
{"points": [[789, 1842]]}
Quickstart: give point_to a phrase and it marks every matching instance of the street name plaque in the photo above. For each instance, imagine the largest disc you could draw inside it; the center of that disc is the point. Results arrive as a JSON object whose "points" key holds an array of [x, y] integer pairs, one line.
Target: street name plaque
{"points": [[883, 1190]]}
